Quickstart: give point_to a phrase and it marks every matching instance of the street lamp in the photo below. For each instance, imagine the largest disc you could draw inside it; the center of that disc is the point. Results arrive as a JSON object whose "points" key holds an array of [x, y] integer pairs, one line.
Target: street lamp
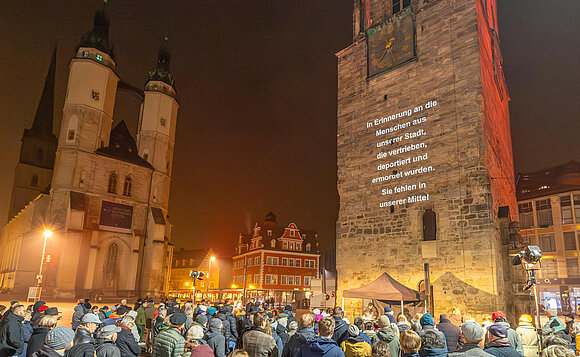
{"points": [[208, 271], [47, 234]]}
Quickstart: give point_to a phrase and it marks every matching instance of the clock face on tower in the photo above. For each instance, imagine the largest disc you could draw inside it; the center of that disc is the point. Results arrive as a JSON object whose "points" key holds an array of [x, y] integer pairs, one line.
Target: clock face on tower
{"points": [[390, 44]]}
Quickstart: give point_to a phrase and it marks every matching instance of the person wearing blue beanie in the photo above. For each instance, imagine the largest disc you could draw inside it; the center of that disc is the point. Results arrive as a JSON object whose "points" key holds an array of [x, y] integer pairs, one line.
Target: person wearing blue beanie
{"points": [[426, 320], [389, 315], [433, 343]]}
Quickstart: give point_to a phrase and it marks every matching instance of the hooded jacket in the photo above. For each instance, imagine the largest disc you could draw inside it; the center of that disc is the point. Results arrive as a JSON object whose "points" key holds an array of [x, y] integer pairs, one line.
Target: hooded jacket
{"points": [[356, 347], [46, 351], [81, 350], [36, 314], [226, 327], [11, 336], [553, 326], [106, 348], [216, 341], [320, 346], [36, 341], [387, 335], [433, 342], [283, 333], [452, 334], [529, 338], [501, 348], [297, 340], [79, 312], [340, 330]]}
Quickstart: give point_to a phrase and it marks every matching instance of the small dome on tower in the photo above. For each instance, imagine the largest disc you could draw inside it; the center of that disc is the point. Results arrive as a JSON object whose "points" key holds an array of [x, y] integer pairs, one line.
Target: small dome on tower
{"points": [[98, 37], [161, 71]]}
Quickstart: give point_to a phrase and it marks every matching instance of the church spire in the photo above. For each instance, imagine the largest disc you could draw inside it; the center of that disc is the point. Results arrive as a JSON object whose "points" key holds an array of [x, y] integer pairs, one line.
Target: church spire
{"points": [[161, 71], [98, 36], [42, 125]]}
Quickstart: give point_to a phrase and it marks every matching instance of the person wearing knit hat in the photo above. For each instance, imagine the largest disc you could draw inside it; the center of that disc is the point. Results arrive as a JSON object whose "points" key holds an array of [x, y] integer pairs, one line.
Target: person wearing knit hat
{"points": [[432, 340], [528, 335], [500, 318], [211, 311], [389, 333], [56, 342], [105, 345], [214, 337], [389, 314], [472, 334], [355, 345], [170, 341], [499, 344]]}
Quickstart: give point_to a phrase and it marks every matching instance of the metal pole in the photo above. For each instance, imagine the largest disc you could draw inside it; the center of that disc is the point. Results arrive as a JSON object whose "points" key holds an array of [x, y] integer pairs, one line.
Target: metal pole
{"points": [[245, 273], [427, 287], [532, 274], [208, 271], [41, 264]]}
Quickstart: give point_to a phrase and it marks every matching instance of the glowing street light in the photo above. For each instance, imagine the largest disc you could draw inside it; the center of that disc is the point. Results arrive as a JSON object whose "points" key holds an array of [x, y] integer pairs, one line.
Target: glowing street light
{"points": [[47, 234]]}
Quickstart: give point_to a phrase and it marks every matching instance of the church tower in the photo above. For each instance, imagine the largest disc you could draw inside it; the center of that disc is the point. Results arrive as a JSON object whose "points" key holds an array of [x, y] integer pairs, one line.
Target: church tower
{"points": [[155, 142], [425, 167], [33, 172]]}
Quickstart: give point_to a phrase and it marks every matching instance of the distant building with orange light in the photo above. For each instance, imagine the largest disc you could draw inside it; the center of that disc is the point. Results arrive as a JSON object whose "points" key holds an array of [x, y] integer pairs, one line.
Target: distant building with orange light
{"points": [[273, 261], [184, 261]]}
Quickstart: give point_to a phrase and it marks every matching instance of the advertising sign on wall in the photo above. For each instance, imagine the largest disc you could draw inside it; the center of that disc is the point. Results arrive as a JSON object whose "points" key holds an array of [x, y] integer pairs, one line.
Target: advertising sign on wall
{"points": [[116, 215]]}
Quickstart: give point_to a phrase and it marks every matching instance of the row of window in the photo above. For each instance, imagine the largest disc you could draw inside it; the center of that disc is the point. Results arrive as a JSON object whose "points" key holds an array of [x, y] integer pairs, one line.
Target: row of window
{"points": [[272, 279], [569, 209], [127, 186], [285, 245], [549, 268], [287, 262], [547, 242]]}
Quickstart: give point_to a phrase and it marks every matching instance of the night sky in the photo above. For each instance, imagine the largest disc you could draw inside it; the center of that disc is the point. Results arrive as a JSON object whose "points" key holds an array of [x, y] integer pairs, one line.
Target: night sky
{"points": [[256, 84]]}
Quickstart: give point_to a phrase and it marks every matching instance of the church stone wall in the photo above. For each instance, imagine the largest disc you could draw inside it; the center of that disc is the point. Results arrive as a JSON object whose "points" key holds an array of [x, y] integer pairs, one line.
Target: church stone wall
{"points": [[465, 259]]}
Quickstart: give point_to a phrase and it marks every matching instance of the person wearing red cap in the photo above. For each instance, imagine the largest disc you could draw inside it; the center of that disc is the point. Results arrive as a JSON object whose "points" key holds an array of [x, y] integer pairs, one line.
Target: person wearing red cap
{"points": [[499, 318]]}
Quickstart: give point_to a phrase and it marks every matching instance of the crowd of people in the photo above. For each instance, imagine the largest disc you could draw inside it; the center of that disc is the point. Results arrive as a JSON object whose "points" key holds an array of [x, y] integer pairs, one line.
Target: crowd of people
{"points": [[172, 329]]}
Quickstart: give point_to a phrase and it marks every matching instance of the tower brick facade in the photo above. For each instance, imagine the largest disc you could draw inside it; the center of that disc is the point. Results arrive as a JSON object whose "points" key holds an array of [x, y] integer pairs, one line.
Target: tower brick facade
{"points": [[424, 151]]}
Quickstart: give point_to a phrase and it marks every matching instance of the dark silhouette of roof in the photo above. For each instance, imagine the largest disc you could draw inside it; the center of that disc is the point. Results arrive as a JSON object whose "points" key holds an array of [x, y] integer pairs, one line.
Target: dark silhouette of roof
{"points": [[270, 217], [42, 124], [198, 255], [122, 146], [554, 180], [98, 36]]}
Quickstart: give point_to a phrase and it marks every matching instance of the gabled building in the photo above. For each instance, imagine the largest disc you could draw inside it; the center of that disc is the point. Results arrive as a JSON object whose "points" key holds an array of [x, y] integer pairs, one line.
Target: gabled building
{"points": [[274, 261], [184, 261]]}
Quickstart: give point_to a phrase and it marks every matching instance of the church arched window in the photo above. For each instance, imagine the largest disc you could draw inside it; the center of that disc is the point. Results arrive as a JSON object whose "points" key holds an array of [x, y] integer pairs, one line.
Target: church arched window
{"points": [[34, 181], [429, 225], [128, 186], [111, 265], [112, 185]]}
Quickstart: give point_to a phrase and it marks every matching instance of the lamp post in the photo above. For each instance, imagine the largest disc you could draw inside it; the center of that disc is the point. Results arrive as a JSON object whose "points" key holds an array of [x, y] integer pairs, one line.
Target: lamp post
{"points": [[208, 271], [47, 234]]}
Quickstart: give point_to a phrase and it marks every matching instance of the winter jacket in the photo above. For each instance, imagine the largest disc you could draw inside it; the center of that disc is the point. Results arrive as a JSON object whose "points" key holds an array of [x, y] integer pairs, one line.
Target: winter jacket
{"points": [[36, 341], [403, 326], [356, 347], [371, 335], [11, 336], [86, 349], [79, 312], [391, 318], [283, 333], [432, 342], [106, 348], [503, 351], [411, 355], [226, 327], [340, 330], [199, 351], [158, 324], [102, 314], [36, 314], [150, 311], [216, 341], [141, 319], [259, 344], [27, 331], [513, 337], [452, 334], [320, 347], [169, 343], [46, 351], [365, 338], [388, 335], [126, 342], [553, 326], [82, 335], [295, 342], [470, 350], [529, 338]]}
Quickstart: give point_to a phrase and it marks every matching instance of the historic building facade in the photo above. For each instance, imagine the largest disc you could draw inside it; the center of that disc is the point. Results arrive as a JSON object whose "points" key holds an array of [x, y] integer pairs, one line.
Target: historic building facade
{"points": [[424, 152], [108, 198], [181, 285], [275, 261], [549, 211]]}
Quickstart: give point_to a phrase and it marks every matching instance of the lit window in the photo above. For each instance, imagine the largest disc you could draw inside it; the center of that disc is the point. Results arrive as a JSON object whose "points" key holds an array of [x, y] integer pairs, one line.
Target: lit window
{"points": [[99, 58], [162, 120], [85, 53], [273, 243], [308, 246]]}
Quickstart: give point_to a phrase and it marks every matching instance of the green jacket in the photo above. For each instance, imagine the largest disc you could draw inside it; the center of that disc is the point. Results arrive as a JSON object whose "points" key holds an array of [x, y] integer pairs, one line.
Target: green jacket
{"points": [[169, 343], [141, 319]]}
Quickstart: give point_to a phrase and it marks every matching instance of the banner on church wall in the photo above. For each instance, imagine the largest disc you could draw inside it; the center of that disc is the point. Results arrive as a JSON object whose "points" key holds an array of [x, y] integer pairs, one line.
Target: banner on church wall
{"points": [[116, 215]]}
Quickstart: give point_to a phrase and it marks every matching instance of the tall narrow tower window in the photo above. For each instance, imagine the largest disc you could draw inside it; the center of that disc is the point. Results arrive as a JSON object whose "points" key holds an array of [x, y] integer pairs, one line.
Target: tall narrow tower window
{"points": [[429, 225], [112, 185], [399, 5], [128, 187], [95, 94], [34, 181], [39, 155]]}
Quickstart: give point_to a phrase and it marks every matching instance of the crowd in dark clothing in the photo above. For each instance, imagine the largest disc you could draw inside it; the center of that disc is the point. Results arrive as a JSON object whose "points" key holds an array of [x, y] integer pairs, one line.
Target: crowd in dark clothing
{"points": [[171, 329]]}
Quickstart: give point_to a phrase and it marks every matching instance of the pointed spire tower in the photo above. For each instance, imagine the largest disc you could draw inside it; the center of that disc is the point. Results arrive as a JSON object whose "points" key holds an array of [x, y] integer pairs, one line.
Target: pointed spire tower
{"points": [[33, 172]]}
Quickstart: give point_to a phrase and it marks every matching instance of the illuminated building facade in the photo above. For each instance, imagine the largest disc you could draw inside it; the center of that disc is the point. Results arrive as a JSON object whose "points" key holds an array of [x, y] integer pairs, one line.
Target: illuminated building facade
{"points": [[424, 152], [549, 211], [107, 198], [275, 261], [184, 261]]}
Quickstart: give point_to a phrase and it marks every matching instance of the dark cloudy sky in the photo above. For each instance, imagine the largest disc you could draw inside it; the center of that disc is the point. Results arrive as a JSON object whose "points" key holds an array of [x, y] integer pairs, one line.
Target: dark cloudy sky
{"points": [[256, 83]]}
